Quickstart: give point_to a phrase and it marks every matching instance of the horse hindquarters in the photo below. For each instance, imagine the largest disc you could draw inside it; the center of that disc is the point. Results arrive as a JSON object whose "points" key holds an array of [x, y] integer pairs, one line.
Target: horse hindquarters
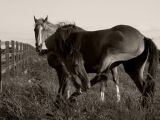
{"points": [[135, 68], [152, 69]]}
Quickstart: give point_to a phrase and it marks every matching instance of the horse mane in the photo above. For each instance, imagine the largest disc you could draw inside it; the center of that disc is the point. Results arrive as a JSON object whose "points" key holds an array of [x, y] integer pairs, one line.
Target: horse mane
{"points": [[48, 26], [65, 40], [65, 29], [69, 27], [65, 26]]}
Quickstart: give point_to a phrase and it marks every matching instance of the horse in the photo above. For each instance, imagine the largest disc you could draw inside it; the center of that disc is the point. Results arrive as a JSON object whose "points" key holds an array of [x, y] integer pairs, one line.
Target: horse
{"points": [[54, 60], [102, 50], [44, 30]]}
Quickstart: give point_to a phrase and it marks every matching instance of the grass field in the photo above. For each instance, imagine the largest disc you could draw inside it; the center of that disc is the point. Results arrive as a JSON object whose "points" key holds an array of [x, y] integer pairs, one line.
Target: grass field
{"points": [[32, 97]]}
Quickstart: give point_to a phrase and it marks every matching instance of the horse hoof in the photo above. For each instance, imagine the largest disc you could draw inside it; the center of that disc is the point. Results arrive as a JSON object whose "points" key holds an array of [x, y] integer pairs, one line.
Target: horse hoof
{"points": [[57, 104], [89, 85]]}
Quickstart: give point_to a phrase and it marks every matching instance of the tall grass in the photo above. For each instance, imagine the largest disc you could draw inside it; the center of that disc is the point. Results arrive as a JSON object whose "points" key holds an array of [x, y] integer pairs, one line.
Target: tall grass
{"points": [[33, 99]]}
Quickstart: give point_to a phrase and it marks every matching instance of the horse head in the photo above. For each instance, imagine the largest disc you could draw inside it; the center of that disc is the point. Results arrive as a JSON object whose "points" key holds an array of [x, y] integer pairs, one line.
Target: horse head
{"points": [[38, 30]]}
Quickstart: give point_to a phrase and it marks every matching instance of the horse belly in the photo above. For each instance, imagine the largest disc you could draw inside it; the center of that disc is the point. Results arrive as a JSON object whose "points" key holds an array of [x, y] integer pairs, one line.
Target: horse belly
{"points": [[91, 55]]}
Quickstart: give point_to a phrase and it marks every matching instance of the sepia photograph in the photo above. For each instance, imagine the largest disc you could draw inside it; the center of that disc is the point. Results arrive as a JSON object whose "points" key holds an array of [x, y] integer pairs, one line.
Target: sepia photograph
{"points": [[79, 60]]}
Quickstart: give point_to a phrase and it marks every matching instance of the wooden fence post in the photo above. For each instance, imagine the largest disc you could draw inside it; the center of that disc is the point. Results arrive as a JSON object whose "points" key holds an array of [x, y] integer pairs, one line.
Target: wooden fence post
{"points": [[31, 54], [17, 59], [0, 69], [7, 59], [23, 57], [20, 57], [27, 55], [13, 57], [25, 60]]}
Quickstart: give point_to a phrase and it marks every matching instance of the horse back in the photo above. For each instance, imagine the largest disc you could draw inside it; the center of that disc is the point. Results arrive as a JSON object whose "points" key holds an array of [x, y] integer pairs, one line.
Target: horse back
{"points": [[122, 38]]}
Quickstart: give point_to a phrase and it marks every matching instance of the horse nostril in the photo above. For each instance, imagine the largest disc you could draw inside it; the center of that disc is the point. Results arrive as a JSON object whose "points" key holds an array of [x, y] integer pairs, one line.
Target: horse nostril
{"points": [[37, 50]]}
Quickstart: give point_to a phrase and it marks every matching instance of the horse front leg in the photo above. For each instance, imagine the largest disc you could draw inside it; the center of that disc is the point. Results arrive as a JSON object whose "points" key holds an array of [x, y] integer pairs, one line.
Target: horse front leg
{"points": [[75, 65], [81, 73], [66, 88], [77, 86], [63, 76], [62, 80]]}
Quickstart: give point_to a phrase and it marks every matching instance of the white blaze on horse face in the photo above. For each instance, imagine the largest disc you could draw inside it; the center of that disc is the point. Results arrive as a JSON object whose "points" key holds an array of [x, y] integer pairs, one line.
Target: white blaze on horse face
{"points": [[40, 36], [44, 46], [118, 93], [102, 96]]}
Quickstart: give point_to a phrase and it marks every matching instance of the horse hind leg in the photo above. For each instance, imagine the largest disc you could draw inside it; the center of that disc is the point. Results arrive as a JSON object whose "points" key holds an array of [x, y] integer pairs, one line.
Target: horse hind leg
{"points": [[102, 90], [116, 81], [136, 73], [152, 69], [135, 69]]}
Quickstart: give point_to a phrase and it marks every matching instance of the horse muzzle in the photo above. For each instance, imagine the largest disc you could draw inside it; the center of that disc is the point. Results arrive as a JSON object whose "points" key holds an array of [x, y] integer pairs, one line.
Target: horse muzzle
{"points": [[39, 48]]}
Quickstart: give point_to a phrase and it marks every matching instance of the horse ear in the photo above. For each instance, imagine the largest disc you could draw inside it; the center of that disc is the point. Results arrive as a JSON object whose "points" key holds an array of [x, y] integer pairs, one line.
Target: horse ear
{"points": [[35, 20], [46, 19]]}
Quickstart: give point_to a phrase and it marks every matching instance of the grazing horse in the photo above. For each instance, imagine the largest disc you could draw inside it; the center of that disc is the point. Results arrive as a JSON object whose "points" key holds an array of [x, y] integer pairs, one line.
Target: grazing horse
{"points": [[103, 50], [44, 31]]}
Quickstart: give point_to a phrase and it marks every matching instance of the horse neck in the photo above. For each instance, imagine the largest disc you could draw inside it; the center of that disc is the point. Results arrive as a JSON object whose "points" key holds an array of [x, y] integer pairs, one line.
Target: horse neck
{"points": [[55, 44], [50, 42]]}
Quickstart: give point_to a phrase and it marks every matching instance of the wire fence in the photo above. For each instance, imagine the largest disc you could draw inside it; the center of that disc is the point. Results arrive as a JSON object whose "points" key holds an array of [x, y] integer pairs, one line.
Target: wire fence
{"points": [[16, 58]]}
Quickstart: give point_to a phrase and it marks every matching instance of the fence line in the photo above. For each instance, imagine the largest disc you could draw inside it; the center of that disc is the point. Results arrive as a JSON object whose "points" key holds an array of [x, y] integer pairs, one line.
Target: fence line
{"points": [[15, 58]]}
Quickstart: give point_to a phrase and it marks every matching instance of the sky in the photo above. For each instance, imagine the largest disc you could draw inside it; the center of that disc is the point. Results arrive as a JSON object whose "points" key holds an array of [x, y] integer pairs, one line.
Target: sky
{"points": [[17, 23]]}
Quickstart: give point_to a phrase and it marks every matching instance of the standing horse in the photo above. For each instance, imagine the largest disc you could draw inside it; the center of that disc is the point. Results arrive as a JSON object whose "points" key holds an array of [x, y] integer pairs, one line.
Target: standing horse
{"points": [[103, 50], [44, 31]]}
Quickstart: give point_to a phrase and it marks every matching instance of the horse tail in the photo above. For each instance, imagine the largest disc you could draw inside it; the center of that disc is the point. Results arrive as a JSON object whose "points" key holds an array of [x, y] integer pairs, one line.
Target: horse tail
{"points": [[152, 68], [152, 58]]}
